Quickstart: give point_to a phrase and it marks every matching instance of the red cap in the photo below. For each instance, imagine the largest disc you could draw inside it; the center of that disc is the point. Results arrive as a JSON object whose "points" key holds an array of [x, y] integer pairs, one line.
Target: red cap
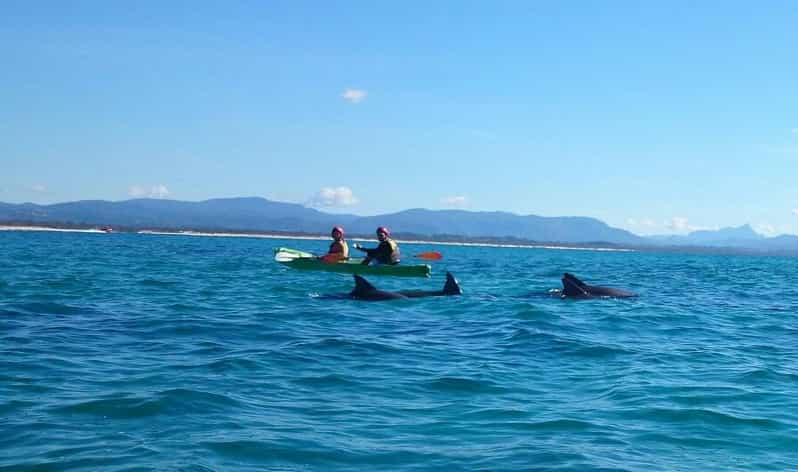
{"points": [[383, 229], [339, 229]]}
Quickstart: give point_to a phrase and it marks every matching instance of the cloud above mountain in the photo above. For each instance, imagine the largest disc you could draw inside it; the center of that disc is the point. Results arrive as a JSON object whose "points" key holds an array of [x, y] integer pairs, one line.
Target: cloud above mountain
{"points": [[676, 224], [155, 191], [333, 197], [642, 223], [766, 229], [682, 224], [455, 201]]}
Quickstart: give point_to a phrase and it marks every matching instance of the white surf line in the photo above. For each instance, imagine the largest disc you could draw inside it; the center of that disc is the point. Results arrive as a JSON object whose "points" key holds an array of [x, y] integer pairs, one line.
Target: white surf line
{"points": [[45, 228], [520, 246], [409, 241], [320, 238], [230, 235]]}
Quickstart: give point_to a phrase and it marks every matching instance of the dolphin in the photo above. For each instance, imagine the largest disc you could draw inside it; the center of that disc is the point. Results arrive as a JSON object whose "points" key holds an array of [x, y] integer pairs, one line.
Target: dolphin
{"points": [[575, 288], [365, 291]]}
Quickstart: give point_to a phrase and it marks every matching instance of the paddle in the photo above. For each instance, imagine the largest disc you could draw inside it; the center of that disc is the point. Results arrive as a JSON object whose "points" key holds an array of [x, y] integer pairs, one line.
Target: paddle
{"points": [[281, 255], [285, 257], [430, 255]]}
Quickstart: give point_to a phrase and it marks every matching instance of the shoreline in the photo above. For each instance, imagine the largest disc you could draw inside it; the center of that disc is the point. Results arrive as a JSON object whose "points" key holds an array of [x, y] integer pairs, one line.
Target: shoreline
{"points": [[403, 241], [49, 228], [313, 238]]}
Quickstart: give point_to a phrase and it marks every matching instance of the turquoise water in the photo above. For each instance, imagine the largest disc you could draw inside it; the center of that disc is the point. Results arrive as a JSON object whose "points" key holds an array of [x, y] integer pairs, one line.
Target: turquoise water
{"points": [[144, 352]]}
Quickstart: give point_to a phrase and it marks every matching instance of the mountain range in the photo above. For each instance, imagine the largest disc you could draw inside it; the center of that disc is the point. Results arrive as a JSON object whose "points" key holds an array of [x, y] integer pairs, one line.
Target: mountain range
{"points": [[255, 214]]}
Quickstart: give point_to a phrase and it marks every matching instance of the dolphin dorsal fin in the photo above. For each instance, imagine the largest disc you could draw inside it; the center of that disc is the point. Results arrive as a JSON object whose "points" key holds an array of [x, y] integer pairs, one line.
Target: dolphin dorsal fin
{"points": [[362, 285], [573, 287], [451, 287], [574, 280]]}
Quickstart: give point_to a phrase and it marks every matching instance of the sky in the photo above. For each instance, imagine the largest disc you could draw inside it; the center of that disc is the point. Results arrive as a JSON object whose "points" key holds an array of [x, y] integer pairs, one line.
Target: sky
{"points": [[655, 117]]}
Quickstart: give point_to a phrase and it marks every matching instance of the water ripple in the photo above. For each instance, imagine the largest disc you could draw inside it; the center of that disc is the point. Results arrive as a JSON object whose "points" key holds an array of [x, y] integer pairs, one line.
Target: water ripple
{"points": [[130, 352]]}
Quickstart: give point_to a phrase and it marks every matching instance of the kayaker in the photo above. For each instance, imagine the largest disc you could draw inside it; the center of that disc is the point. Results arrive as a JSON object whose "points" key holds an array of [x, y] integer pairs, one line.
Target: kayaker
{"points": [[339, 250], [387, 252]]}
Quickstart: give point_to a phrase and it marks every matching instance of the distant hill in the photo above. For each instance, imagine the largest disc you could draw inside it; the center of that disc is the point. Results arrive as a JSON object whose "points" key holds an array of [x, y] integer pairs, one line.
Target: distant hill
{"points": [[497, 224], [258, 214], [244, 214], [261, 215], [743, 237]]}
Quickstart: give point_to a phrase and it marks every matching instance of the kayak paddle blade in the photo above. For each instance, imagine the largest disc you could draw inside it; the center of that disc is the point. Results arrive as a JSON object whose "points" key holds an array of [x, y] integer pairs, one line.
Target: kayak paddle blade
{"points": [[286, 256]]}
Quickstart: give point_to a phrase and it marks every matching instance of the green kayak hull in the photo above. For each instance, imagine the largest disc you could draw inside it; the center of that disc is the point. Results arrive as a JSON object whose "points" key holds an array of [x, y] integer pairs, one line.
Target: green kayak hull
{"points": [[306, 261]]}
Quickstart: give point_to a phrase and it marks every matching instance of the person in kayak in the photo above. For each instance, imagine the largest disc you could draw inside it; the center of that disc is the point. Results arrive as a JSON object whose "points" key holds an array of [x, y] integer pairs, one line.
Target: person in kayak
{"points": [[339, 250], [387, 252]]}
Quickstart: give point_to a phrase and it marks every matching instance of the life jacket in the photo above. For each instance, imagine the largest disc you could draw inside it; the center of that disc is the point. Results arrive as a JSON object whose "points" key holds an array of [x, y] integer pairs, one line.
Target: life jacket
{"points": [[394, 250], [341, 248]]}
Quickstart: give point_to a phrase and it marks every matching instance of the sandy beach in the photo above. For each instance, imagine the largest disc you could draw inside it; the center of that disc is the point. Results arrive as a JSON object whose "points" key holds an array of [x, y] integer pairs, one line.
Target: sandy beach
{"points": [[47, 228], [374, 240]]}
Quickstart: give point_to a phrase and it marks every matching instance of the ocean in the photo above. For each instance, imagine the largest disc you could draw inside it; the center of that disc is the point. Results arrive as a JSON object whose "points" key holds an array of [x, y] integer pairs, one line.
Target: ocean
{"points": [[123, 352]]}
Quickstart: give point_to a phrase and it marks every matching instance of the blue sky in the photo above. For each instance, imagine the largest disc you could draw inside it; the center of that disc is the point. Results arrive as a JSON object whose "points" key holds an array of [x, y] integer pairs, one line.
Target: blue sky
{"points": [[655, 117]]}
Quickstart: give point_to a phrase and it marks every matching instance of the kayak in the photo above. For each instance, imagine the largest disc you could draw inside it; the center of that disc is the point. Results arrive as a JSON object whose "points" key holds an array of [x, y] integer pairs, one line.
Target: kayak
{"points": [[306, 261]]}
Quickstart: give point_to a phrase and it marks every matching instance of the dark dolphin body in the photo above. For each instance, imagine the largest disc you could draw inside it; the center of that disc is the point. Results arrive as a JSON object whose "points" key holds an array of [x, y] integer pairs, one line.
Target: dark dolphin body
{"points": [[365, 291], [575, 288]]}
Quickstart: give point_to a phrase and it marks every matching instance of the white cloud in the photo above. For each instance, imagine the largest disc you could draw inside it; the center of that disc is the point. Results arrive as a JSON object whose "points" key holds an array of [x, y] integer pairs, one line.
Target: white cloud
{"points": [[678, 223], [645, 222], [39, 188], [455, 201], [333, 197], [354, 95], [159, 191], [766, 229], [643, 226], [137, 191], [156, 191], [795, 211]]}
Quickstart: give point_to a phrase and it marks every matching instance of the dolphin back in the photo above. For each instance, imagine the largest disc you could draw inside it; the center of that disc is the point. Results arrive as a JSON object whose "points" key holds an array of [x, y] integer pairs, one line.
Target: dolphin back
{"points": [[573, 287], [597, 291], [365, 291]]}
